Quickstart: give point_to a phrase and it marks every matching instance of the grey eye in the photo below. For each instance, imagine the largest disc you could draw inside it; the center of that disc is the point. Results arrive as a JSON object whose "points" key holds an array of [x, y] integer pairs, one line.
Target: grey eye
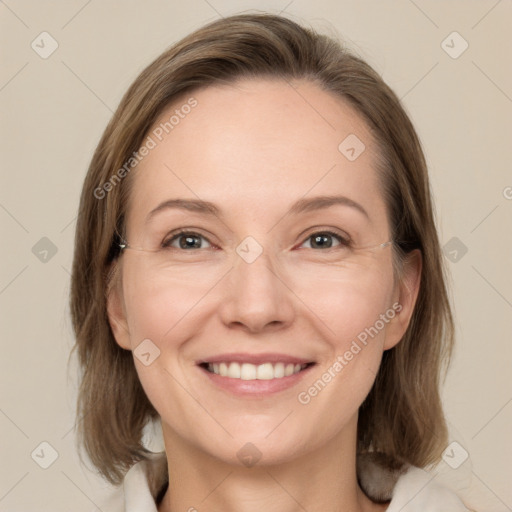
{"points": [[323, 240], [186, 240]]}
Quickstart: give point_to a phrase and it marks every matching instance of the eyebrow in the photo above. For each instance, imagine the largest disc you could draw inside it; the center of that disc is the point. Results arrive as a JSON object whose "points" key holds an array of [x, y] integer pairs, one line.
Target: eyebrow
{"points": [[301, 206]]}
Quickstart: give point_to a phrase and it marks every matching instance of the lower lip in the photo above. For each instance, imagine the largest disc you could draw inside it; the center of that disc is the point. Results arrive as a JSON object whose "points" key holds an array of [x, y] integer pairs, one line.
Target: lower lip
{"points": [[255, 388]]}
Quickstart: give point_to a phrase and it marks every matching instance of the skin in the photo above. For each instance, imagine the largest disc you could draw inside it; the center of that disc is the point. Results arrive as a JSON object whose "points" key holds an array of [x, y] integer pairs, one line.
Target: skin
{"points": [[254, 148]]}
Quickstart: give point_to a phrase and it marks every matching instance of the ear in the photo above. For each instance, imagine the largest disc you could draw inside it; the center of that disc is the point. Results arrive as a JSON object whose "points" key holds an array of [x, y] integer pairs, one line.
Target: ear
{"points": [[116, 310], [404, 298]]}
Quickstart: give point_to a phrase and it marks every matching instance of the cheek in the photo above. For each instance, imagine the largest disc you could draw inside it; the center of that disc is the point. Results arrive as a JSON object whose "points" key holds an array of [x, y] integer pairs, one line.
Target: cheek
{"points": [[164, 309], [158, 306], [348, 301], [161, 312], [353, 314]]}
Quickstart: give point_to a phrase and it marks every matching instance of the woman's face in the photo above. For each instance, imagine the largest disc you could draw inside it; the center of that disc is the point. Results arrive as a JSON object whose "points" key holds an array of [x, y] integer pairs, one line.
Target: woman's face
{"points": [[257, 286]]}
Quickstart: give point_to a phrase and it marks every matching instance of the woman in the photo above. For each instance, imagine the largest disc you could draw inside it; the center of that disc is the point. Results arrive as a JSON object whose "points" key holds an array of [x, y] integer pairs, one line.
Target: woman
{"points": [[257, 267]]}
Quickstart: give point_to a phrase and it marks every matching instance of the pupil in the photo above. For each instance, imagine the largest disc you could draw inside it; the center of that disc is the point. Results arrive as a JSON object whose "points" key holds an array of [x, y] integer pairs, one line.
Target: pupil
{"points": [[319, 238], [187, 242]]}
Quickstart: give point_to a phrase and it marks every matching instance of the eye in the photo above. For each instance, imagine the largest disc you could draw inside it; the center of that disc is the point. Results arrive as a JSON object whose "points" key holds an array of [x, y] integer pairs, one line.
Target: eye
{"points": [[323, 240], [186, 240], [191, 240]]}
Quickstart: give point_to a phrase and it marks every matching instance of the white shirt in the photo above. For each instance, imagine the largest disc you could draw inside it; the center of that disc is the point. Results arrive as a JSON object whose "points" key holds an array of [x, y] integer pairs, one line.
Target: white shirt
{"points": [[414, 491]]}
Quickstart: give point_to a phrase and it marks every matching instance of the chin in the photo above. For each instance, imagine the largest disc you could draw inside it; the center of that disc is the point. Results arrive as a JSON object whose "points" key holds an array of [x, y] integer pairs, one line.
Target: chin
{"points": [[259, 451]]}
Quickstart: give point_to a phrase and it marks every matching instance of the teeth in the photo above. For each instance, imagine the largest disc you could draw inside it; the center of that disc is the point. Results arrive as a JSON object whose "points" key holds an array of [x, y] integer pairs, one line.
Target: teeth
{"points": [[233, 371], [290, 368], [265, 372], [223, 369], [278, 370], [247, 371]]}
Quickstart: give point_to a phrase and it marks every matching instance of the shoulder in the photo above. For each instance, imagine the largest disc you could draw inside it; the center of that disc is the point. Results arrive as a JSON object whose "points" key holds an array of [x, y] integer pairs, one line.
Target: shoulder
{"points": [[418, 491], [143, 482], [407, 488]]}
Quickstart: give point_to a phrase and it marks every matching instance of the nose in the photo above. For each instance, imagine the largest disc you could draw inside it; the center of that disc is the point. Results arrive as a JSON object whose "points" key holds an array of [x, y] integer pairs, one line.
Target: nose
{"points": [[256, 297]]}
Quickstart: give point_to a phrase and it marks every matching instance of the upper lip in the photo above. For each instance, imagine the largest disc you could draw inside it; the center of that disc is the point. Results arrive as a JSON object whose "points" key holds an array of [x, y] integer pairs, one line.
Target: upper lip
{"points": [[254, 359]]}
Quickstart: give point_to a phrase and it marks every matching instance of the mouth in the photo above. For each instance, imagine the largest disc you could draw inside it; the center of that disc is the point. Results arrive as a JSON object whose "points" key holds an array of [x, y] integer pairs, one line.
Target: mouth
{"points": [[254, 376], [249, 371]]}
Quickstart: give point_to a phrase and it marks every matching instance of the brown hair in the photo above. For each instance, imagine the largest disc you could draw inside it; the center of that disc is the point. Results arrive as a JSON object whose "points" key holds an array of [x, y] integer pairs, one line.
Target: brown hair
{"points": [[402, 416]]}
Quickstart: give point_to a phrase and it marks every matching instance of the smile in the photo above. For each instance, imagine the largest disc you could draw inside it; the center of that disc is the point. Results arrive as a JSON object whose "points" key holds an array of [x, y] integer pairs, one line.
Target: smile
{"points": [[248, 371]]}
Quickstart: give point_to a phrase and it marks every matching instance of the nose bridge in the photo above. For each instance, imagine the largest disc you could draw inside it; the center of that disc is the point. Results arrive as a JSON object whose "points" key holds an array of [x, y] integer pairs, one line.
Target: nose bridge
{"points": [[254, 270], [255, 293]]}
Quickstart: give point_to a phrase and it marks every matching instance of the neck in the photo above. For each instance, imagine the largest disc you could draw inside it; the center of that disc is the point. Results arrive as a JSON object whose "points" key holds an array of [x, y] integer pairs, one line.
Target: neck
{"points": [[322, 480]]}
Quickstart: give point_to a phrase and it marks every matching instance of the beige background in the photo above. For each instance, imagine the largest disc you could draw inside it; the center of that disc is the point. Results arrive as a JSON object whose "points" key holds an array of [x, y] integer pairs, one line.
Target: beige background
{"points": [[54, 110]]}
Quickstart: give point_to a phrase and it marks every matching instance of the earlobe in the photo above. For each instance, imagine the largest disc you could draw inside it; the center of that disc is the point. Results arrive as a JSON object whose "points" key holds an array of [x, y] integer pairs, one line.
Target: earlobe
{"points": [[116, 311], [407, 294]]}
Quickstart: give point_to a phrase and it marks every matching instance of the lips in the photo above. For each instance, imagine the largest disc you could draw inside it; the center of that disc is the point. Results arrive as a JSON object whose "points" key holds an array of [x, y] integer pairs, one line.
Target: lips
{"points": [[251, 367]]}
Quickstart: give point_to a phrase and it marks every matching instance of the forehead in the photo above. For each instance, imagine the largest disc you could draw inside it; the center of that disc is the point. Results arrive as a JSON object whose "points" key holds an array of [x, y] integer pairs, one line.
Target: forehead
{"points": [[259, 142]]}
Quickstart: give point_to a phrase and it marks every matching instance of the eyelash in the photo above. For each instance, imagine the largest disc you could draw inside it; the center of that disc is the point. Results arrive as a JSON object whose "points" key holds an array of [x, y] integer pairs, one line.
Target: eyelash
{"points": [[343, 240]]}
